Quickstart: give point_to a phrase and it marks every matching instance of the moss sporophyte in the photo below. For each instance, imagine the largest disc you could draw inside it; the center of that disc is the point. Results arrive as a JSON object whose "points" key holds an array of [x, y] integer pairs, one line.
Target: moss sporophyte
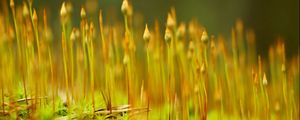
{"points": [[106, 68]]}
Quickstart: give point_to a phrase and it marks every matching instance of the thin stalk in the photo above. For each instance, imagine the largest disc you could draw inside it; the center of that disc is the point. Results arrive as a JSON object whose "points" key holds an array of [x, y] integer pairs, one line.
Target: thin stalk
{"points": [[91, 66], [284, 89], [84, 37], [255, 100], [128, 65], [19, 49], [28, 63], [17, 33], [36, 35], [129, 72], [71, 45], [126, 24], [106, 61], [24, 85], [170, 74], [148, 90], [205, 99], [64, 48], [34, 24], [52, 78], [102, 36], [268, 103], [2, 93]]}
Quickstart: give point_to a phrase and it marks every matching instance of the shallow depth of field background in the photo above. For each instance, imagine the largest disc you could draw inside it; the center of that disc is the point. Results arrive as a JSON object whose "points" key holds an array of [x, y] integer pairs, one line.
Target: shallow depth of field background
{"points": [[242, 61], [269, 19]]}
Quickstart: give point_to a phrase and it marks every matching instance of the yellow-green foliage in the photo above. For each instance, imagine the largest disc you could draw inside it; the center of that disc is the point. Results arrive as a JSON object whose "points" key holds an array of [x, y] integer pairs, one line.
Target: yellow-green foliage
{"points": [[103, 71]]}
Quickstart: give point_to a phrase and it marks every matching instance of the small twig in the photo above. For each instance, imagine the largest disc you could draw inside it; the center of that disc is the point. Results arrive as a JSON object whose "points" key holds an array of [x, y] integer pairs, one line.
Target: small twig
{"points": [[24, 99], [121, 110], [114, 108]]}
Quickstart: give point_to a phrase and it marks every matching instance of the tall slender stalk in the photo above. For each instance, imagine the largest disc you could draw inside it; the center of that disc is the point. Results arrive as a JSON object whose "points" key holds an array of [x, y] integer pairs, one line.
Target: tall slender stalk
{"points": [[91, 64], [65, 65], [170, 47], [52, 79], [19, 49], [2, 88], [129, 43], [64, 44]]}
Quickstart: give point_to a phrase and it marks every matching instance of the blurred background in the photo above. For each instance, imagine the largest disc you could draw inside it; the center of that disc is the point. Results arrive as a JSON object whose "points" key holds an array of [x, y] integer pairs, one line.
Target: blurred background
{"points": [[269, 19]]}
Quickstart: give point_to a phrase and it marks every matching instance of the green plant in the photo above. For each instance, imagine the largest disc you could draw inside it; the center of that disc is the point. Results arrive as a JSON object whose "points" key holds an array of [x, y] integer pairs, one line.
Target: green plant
{"points": [[122, 71]]}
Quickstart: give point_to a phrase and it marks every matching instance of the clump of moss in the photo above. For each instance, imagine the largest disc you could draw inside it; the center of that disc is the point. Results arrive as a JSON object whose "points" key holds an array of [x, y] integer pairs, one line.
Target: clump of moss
{"points": [[110, 71]]}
